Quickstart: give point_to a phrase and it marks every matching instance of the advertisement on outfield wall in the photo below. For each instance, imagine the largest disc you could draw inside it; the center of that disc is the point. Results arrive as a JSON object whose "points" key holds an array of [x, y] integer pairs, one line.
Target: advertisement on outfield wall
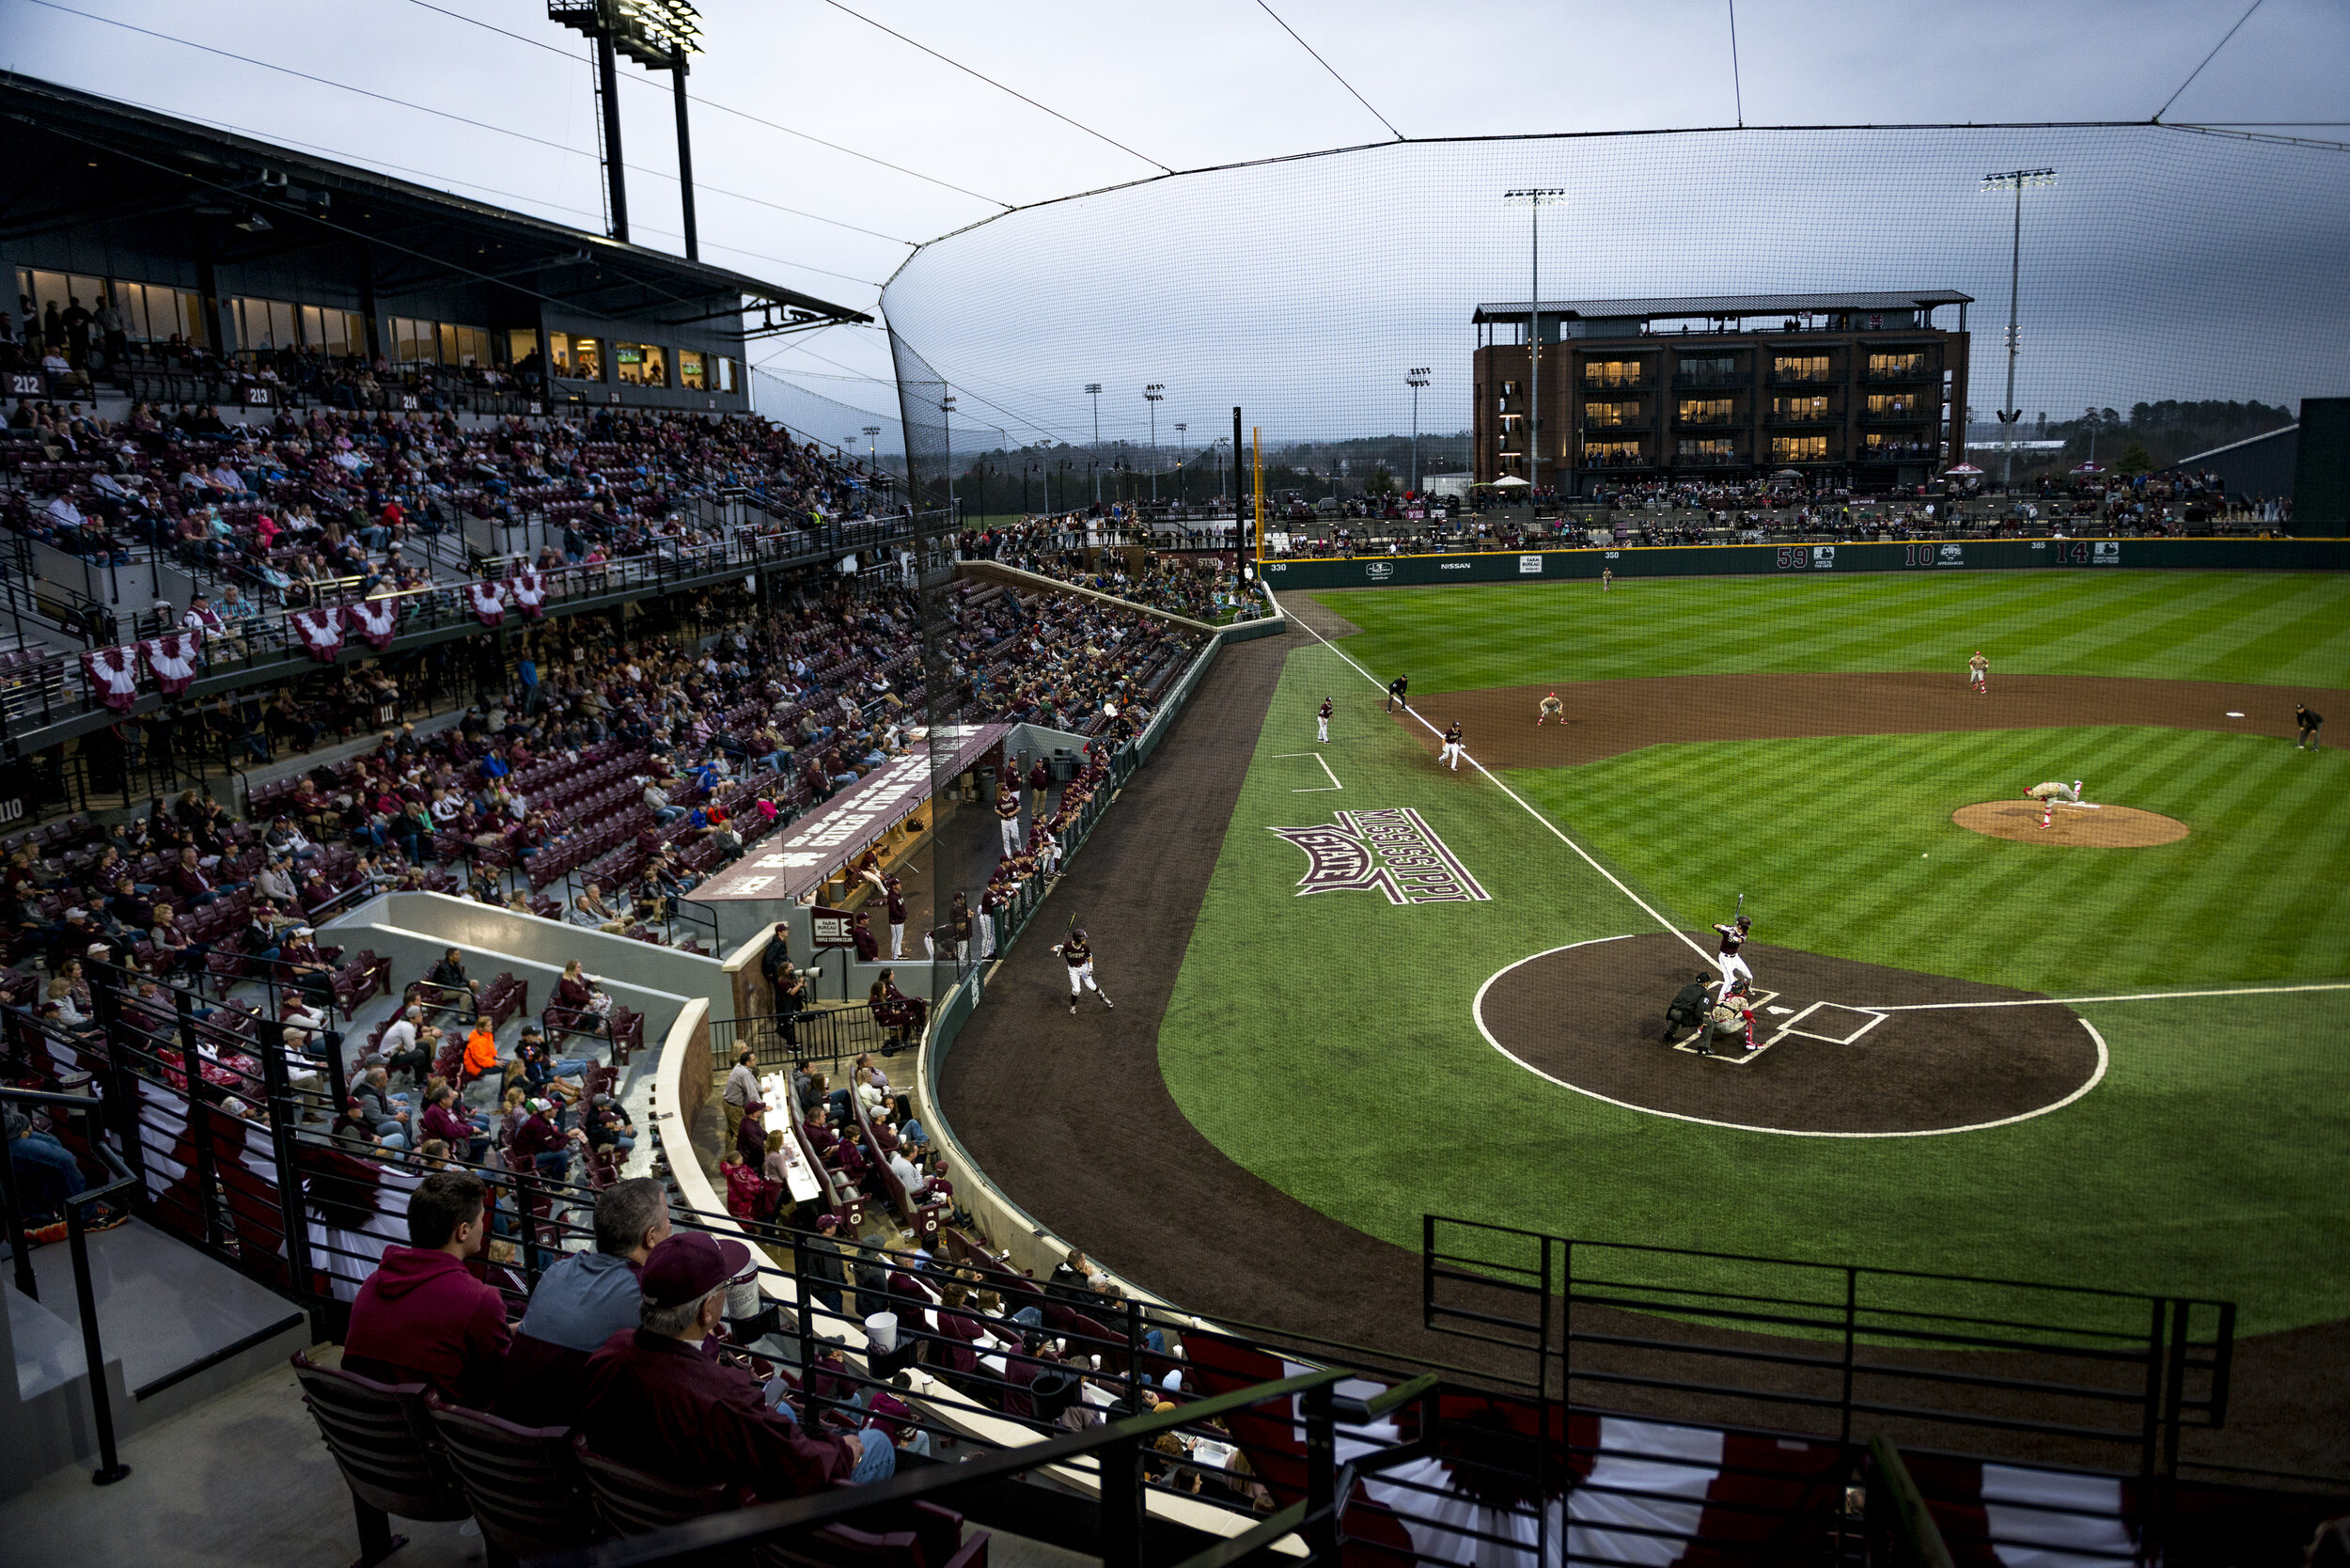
{"points": [[1719, 560]]}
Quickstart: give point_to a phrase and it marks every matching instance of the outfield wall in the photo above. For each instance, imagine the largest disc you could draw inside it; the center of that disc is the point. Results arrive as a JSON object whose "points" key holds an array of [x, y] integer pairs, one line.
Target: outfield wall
{"points": [[1763, 560]]}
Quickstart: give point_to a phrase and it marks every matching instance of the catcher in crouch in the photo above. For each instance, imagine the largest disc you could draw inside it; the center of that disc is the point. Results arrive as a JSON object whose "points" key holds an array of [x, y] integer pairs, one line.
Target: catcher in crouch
{"points": [[2049, 793], [1726, 1019]]}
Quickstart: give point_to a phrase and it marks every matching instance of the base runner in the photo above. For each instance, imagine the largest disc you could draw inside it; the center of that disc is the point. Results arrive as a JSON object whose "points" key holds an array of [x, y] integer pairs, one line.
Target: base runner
{"points": [[1079, 954], [1322, 721], [1552, 709], [2049, 793], [1452, 752], [1978, 674]]}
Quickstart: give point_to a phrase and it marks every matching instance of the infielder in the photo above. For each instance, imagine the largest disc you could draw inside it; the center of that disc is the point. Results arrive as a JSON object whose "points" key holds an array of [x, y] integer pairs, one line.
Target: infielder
{"points": [[1007, 816], [1079, 957], [1978, 674], [1552, 709], [1322, 721], [1453, 750], [1734, 968], [2049, 793]]}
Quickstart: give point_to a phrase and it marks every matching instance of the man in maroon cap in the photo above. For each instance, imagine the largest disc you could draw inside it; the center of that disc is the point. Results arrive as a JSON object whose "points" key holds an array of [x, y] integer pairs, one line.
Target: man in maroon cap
{"points": [[421, 1317], [655, 1401]]}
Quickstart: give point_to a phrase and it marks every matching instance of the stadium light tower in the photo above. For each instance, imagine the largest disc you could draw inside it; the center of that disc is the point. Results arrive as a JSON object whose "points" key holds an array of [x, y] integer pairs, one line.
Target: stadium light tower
{"points": [[1154, 394], [1181, 426], [659, 35], [1416, 378], [1534, 198], [946, 418], [2014, 179], [1094, 390], [872, 447]]}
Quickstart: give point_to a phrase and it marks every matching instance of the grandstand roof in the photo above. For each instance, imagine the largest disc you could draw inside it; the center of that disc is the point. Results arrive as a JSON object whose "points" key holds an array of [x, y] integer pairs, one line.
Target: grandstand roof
{"points": [[1728, 304], [115, 161]]}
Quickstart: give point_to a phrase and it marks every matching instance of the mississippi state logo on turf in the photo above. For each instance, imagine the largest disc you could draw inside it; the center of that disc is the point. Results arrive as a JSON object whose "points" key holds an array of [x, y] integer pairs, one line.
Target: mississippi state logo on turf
{"points": [[1393, 850]]}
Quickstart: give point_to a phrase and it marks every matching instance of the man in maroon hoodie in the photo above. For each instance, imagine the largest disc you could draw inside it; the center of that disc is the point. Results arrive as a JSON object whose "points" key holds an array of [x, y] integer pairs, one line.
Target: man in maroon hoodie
{"points": [[421, 1317]]}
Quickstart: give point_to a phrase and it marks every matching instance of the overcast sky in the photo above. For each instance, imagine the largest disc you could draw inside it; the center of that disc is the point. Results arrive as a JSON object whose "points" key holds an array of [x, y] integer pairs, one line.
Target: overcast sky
{"points": [[1179, 87]]}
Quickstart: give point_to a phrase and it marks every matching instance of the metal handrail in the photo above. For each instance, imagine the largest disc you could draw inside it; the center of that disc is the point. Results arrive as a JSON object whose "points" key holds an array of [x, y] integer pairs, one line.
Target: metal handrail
{"points": [[1117, 1447]]}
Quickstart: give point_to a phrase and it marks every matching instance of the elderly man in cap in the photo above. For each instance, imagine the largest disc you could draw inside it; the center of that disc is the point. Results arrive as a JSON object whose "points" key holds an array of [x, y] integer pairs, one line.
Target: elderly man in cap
{"points": [[654, 1400]]}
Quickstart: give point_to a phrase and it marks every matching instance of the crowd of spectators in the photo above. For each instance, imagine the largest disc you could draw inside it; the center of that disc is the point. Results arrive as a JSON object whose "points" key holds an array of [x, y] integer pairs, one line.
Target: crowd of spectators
{"points": [[1198, 585]]}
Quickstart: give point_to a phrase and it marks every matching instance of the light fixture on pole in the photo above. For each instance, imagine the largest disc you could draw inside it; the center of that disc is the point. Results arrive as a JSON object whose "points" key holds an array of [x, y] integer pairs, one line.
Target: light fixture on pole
{"points": [[1154, 394], [1181, 426], [658, 35], [872, 449], [1094, 390], [1416, 378], [2014, 179], [1534, 198], [946, 419]]}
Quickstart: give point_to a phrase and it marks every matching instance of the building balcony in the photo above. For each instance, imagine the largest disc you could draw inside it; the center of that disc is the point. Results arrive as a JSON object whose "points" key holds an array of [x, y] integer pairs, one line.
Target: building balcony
{"points": [[1589, 461], [1806, 378], [1593, 386], [1923, 372], [1712, 378], [1900, 451], [1709, 460], [1709, 422], [1911, 417], [1599, 429], [1830, 420]]}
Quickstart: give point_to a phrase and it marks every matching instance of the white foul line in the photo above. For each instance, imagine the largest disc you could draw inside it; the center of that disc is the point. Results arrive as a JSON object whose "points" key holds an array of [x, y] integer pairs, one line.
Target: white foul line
{"points": [[2132, 997], [1528, 809], [1315, 790]]}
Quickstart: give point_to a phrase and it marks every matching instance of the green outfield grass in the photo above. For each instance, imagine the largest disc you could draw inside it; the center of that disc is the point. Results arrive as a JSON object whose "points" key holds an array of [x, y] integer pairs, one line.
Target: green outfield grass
{"points": [[2281, 628], [2209, 1159]]}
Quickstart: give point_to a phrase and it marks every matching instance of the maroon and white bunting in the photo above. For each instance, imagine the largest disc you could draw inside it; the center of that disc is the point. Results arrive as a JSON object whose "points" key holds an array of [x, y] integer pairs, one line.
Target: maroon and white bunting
{"points": [[530, 593], [488, 600], [321, 632], [375, 620], [171, 659], [113, 676]]}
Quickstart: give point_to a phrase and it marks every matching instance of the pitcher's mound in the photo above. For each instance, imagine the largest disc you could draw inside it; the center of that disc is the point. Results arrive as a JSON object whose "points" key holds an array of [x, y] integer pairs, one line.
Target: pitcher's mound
{"points": [[2074, 826]]}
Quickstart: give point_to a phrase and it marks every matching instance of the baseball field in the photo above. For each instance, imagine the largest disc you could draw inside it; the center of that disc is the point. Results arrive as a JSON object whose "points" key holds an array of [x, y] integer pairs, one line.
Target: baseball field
{"points": [[2104, 1052]]}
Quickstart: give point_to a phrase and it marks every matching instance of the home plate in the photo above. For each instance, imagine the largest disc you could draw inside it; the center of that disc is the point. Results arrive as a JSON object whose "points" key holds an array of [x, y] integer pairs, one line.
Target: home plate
{"points": [[1783, 1011], [2232, 713]]}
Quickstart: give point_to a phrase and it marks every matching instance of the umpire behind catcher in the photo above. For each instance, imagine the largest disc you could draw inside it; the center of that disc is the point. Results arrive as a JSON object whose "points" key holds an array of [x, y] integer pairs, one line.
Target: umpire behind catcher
{"points": [[1686, 1011]]}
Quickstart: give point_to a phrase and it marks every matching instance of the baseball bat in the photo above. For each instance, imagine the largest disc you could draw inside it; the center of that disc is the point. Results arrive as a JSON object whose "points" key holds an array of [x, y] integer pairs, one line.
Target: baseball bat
{"points": [[1741, 904]]}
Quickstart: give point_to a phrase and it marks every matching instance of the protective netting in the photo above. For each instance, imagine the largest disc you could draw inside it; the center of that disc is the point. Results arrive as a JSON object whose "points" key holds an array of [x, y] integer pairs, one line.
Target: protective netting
{"points": [[2163, 263], [853, 429]]}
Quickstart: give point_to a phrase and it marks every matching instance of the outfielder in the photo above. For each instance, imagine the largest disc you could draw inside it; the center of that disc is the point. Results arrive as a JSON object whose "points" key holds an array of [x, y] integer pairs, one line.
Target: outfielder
{"points": [[1978, 674], [1007, 816], [1322, 721], [1453, 750], [1078, 955], [1552, 709], [1733, 967], [1607, 578], [2049, 793]]}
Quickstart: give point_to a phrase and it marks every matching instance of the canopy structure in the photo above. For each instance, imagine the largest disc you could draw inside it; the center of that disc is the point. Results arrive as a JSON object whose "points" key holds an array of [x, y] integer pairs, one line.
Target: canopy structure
{"points": [[794, 862]]}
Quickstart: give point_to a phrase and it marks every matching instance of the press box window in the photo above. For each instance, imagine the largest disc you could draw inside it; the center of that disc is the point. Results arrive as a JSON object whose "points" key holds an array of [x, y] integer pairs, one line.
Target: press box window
{"points": [[690, 373], [641, 363]]}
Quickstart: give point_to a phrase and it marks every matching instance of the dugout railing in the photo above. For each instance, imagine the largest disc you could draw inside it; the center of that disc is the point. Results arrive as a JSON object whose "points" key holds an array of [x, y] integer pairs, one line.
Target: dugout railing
{"points": [[2073, 1374]]}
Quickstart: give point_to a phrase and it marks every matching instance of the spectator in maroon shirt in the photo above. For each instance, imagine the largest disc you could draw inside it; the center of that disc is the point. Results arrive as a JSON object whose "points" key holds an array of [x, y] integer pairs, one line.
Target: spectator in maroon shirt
{"points": [[196, 889], [655, 1401], [421, 1317]]}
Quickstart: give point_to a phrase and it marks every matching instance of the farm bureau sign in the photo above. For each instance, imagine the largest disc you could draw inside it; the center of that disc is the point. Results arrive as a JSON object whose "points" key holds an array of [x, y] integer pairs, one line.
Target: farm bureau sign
{"points": [[1393, 850]]}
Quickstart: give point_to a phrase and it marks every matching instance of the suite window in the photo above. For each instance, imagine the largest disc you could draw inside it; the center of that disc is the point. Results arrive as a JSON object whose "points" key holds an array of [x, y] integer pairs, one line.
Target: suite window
{"points": [[339, 333], [1705, 411], [690, 373], [1895, 405], [1896, 364], [264, 323], [1611, 453], [1715, 448], [576, 358], [640, 364], [1722, 367], [1598, 414], [1611, 372], [1799, 448], [1812, 407], [153, 313], [1800, 366], [726, 372], [520, 343]]}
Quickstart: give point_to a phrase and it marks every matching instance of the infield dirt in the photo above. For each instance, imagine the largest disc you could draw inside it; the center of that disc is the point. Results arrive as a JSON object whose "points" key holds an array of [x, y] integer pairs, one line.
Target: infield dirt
{"points": [[1607, 718]]}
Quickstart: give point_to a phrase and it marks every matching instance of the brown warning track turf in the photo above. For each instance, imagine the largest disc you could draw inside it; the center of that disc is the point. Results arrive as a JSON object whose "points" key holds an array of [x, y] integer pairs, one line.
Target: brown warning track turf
{"points": [[1071, 1120], [1606, 718], [1820, 1064]]}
